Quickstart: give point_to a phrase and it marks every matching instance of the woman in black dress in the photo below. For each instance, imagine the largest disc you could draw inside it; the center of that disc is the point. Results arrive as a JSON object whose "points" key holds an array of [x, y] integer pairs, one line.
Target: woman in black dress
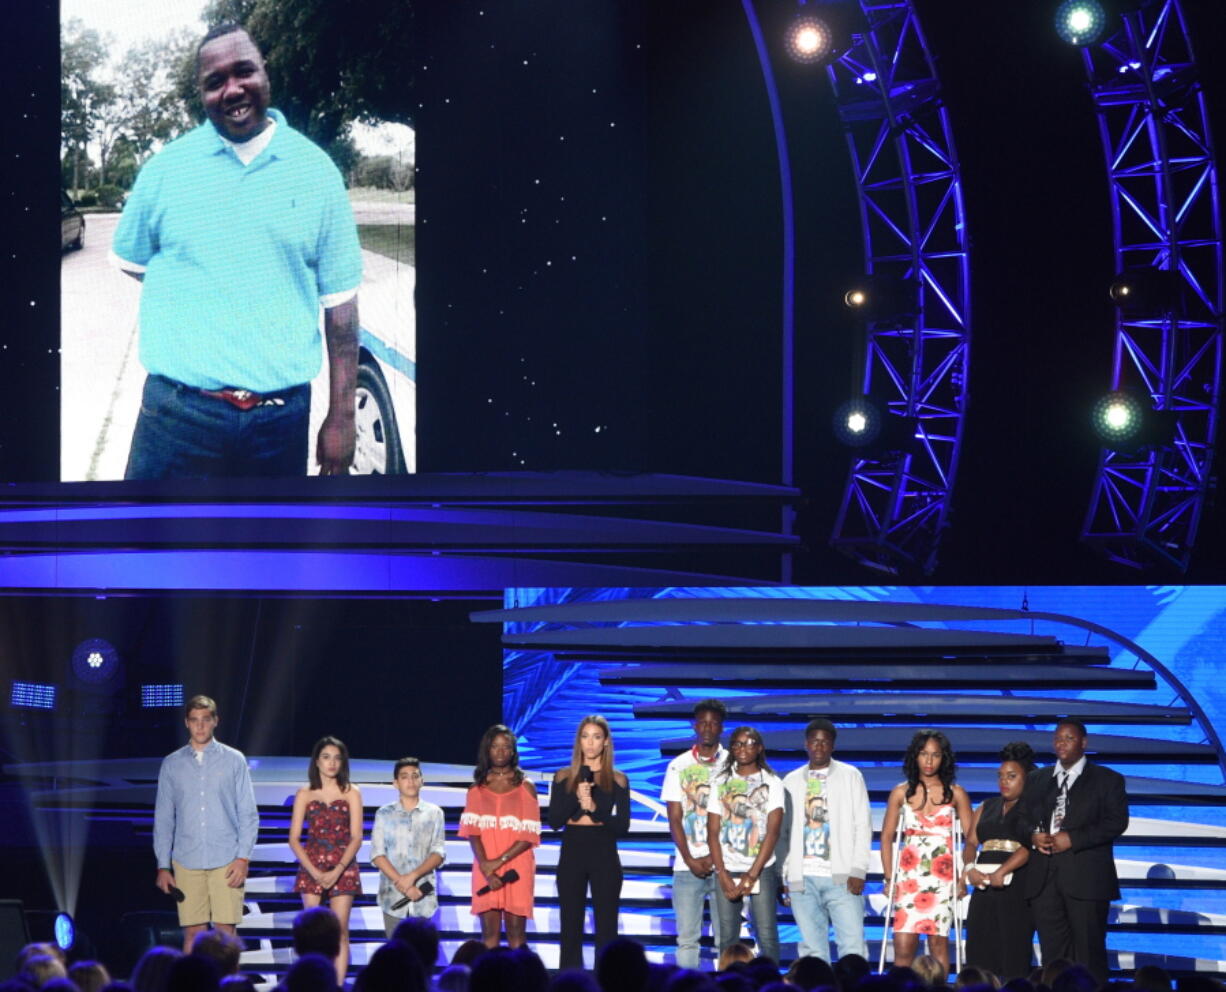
{"points": [[999, 926], [590, 802]]}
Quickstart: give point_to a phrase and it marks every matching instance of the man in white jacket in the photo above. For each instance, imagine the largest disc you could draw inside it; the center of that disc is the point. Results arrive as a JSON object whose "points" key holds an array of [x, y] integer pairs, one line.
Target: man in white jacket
{"points": [[828, 850]]}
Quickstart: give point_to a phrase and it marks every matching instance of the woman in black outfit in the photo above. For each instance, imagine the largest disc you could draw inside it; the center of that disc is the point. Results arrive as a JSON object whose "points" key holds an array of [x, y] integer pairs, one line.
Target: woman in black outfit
{"points": [[591, 800], [999, 926]]}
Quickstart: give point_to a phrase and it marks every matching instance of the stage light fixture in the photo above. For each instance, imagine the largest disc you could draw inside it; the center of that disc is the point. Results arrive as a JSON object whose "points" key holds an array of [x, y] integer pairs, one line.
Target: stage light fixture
{"points": [[880, 297], [161, 696], [810, 39], [1146, 289], [65, 931], [95, 661], [1126, 421], [858, 422], [32, 696], [1081, 22]]}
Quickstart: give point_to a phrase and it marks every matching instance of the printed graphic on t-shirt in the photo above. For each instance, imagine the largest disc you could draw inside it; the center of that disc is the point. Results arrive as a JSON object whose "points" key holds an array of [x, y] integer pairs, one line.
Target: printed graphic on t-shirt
{"points": [[695, 791], [817, 824], [743, 810]]}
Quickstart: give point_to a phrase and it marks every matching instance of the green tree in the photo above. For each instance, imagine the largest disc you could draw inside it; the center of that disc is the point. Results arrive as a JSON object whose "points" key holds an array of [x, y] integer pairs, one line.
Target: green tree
{"points": [[150, 108], [84, 97]]}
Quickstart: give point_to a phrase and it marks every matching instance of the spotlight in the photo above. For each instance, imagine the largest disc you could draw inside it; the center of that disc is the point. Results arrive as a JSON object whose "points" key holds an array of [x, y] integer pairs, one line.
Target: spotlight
{"points": [[32, 696], [1146, 289], [95, 661], [810, 39], [65, 931], [879, 297], [858, 422], [1081, 22], [1128, 422]]}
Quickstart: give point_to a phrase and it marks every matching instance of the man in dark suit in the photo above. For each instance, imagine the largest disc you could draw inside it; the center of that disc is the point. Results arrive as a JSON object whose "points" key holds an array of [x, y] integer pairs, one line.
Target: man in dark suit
{"points": [[1076, 810]]}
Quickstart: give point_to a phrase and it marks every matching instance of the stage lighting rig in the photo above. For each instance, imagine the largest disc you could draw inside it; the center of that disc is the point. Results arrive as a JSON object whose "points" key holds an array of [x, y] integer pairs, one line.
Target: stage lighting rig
{"points": [[1081, 22], [1146, 290], [1126, 422], [95, 661], [858, 422], [883, 298], [820, 33]]}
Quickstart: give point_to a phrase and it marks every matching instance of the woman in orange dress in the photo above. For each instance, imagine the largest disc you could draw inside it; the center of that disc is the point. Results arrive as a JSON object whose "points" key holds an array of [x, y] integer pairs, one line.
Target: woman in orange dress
{"points": [[502, 821]]}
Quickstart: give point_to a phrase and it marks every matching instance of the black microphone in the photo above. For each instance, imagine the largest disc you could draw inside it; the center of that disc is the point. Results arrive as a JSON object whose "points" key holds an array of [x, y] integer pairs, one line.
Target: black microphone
{"points": [[177, 893], [507, 879], [425, 887], [586, 774]]}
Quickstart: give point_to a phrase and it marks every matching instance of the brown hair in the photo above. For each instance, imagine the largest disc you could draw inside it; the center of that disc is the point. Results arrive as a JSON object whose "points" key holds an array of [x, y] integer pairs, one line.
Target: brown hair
{"points": [[604, 777], [199, 703]]}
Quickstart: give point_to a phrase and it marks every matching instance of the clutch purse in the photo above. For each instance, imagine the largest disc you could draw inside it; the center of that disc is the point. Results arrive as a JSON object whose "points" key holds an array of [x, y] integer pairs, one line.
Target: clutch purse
{"points": [[987, 869]]}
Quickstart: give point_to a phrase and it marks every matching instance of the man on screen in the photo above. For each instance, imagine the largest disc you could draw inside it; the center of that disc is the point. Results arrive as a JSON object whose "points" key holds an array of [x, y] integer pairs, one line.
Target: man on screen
{"points": [[240, 231]]}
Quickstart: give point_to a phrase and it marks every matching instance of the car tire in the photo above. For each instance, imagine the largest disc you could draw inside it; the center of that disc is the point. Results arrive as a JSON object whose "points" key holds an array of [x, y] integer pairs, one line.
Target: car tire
{"points": [[377, 448], [80, 242]]}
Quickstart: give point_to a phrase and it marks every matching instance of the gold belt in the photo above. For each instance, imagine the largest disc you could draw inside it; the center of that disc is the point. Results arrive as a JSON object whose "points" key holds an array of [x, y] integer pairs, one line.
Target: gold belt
{"points": [[1008, 846]]}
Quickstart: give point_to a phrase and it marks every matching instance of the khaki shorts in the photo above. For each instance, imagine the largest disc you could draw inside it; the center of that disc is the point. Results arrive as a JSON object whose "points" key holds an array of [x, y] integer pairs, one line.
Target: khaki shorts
{"points": [[207, 897]]}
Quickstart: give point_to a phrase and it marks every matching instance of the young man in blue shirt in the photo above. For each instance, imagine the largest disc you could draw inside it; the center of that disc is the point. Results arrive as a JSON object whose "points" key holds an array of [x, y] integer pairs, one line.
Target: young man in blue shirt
{"points": [[205, 823], [407, 844], [240, 230]]}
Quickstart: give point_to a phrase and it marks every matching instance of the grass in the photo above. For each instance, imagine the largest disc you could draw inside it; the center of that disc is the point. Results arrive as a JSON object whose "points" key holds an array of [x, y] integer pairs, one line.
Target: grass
{"points": [[398, 241], [368, 194]]}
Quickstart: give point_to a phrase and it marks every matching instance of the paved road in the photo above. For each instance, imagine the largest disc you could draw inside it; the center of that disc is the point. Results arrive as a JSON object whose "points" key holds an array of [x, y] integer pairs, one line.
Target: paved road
{"points": [[100, 372]]}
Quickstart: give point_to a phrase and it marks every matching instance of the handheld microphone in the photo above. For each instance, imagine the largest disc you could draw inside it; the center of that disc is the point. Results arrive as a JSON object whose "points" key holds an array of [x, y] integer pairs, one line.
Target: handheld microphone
{"points": [[177, 893], [586, 774], [507, 879], [425, 888]]}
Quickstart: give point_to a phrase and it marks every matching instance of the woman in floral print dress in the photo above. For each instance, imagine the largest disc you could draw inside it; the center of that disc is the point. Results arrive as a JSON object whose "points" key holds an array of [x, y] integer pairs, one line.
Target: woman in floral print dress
{"points": [[927, 873]]}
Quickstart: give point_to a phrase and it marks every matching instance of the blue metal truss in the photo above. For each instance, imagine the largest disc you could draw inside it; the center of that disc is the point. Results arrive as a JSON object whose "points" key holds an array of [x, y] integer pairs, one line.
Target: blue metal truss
{"points": [[1151, 112], [896, 504]]}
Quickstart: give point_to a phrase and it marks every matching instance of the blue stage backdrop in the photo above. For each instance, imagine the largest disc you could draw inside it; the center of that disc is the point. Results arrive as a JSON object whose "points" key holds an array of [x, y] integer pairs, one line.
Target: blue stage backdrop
{"points": [[1178, 870]]}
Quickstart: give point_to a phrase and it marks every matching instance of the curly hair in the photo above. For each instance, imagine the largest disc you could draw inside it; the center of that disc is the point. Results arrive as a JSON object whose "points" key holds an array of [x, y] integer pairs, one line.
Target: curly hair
{"points": [[483, 754], [1020, 752], [910, 763]]}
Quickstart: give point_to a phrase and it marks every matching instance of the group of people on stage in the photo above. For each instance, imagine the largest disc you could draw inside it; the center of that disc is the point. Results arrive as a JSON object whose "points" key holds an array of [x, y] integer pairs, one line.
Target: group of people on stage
{"points": [[1038, 854]]}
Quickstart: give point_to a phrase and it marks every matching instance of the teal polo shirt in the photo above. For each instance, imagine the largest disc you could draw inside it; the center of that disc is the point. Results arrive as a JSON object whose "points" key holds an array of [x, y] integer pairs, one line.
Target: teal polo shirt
{"points": [[236, 258]]}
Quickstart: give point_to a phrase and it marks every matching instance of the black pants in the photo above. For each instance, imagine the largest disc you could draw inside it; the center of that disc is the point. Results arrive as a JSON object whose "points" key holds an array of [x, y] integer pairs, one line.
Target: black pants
{"points": [[589, 854], [1074, 929]]}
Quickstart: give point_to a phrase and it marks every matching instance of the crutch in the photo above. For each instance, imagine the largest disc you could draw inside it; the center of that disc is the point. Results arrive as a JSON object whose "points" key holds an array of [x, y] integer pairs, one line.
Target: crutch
{"points": [[889, 899], [956, 850]]}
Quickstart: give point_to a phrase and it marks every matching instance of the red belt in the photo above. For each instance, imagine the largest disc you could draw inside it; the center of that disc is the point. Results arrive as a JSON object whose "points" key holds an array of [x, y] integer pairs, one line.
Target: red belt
{"points": [[244, 399]]}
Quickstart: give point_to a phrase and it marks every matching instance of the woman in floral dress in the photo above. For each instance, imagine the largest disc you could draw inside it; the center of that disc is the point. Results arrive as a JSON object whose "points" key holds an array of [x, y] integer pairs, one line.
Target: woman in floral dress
{"points": [[927, 874], [331, 807]]}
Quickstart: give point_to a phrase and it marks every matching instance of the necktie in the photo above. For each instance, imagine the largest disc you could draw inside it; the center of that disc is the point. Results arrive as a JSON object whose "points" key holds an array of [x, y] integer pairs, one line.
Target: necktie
{"points": [[1057, 818]]}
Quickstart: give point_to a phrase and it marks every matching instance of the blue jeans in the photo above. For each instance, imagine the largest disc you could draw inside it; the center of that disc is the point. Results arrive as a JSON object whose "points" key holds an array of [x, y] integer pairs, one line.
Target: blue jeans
{"points": [[181, 434], [763, 919], [689, 894], [824, 902]]}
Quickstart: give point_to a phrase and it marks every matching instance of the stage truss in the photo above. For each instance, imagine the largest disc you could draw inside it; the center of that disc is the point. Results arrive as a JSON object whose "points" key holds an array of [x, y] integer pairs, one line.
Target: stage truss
{"points": [[1146, 504], [896, 502]]}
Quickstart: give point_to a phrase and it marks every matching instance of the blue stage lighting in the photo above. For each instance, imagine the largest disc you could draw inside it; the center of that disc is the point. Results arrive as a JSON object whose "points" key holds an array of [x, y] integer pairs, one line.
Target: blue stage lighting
{"points": [[810, 39], [858, 422], [162, 696], [65, 931], [95, 661], [32, 696], [1080, 22]]}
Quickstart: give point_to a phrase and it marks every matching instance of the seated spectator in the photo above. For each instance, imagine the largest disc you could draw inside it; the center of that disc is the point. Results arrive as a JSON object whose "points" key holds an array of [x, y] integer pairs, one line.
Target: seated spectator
{"points": [[621, 966], [317, 931], [1052, 970], [929, 970], [1152, 978], [762, 970], [237, 983], [736, 951], [89, 976], [454, 978], [850, 969], [811, 972], [688, 980], [311, 973], [734, 981], [119, 985], [573, 981], [419, 933], [42, 947], [220, 948], [394, 967], [1018, 985], [152, 971], [192, 974], [970, 975], [468, 952], [39, 969], [509, 970], [1075, 978]]}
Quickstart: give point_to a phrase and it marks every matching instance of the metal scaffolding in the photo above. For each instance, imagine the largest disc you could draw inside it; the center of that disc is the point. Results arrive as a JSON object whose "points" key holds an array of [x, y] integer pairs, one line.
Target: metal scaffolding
{"points": [[896, 500], [1146, 503]]}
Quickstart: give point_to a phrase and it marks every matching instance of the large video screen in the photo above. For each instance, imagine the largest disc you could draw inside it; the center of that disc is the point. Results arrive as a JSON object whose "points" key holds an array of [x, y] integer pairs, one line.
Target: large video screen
{"points": [[238, 226]]}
